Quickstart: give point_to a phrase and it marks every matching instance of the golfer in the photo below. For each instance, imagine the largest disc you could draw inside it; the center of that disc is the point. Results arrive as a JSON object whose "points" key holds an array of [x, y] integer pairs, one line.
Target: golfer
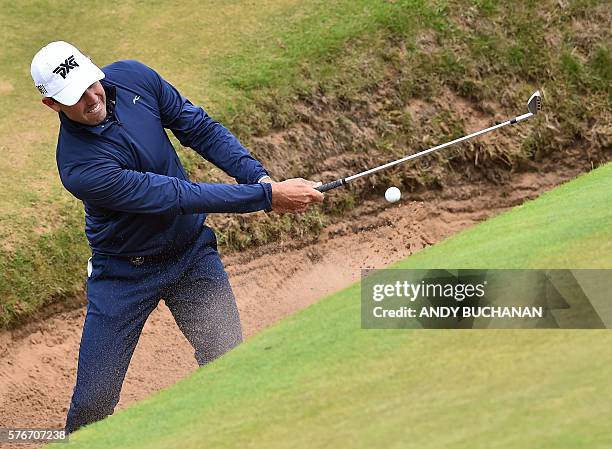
{"points": [[144, 219]]}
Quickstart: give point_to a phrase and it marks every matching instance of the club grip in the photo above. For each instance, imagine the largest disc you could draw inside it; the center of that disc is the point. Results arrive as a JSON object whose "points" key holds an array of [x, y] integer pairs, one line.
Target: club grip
{"points": [[330, 185]]}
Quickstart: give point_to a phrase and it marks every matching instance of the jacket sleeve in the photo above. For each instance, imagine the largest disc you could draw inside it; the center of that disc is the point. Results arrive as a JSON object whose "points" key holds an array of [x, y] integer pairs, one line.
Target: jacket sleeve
{"points": [[106, 184], [194, 128]]}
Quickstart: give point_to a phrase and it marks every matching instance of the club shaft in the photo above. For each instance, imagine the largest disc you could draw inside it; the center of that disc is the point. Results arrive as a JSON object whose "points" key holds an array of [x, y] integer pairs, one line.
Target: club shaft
{"points": [[438, 147]]}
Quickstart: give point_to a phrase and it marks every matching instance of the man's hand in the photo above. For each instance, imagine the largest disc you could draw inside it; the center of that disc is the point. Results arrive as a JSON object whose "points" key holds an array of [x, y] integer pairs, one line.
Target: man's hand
{"points": [[294, 195]]}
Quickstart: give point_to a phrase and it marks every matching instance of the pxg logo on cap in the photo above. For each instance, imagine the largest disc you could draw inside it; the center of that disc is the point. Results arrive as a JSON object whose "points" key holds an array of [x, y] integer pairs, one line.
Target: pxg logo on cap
{"points": [[63, 69], [62, 72]]}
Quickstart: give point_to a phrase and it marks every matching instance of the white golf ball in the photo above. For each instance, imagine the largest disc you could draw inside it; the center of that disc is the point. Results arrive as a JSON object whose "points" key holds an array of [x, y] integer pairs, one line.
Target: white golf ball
{"points": [[393, 194]]}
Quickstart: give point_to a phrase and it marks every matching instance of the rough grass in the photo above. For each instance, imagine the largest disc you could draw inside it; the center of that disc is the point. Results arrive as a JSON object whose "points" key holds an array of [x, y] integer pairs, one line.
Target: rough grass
{"points": [[317, 380], [255, 65], [474, 65]]}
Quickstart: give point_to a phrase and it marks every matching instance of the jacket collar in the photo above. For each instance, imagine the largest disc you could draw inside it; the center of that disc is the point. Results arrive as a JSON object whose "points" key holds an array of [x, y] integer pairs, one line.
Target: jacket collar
{"points": [[71, 125]]}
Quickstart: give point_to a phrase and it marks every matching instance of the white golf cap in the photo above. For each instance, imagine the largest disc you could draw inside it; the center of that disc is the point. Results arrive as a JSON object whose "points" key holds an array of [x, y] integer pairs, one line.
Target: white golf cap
{"points": [[62, 72]]}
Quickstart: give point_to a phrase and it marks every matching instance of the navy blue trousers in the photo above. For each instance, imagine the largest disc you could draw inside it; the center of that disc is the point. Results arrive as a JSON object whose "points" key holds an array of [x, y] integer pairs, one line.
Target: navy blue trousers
{"points": [[122, 292]]}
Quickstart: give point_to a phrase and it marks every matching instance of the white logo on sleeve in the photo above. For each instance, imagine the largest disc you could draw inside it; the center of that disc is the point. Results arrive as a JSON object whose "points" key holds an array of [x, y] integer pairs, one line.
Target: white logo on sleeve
{"points": [[136, 98]]}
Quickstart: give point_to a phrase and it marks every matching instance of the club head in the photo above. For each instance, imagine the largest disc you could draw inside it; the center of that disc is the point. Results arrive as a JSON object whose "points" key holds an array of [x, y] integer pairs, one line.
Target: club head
{"points": [[535, 102]]}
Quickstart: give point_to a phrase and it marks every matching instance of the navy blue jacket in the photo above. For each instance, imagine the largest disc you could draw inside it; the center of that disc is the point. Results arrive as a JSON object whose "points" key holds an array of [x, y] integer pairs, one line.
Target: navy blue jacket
{"points": [[137, 196]]}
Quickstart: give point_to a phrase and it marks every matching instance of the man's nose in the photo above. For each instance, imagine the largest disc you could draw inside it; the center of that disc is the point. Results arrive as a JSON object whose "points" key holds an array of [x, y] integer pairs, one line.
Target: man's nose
{"points": [[89, 96]]}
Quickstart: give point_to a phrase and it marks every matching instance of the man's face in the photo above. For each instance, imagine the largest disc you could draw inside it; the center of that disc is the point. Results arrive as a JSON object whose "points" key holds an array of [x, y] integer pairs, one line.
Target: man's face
{"points": [[89, 110]]}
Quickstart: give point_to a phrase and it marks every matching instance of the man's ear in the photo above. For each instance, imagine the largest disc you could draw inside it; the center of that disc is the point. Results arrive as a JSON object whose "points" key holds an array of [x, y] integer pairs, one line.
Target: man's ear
{"points": [[50, 102]]}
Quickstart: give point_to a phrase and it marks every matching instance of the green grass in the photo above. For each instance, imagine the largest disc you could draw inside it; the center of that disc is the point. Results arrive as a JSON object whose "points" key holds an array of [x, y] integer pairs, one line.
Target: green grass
{"points": [[254, 65], [570, 226], [317, 380]]}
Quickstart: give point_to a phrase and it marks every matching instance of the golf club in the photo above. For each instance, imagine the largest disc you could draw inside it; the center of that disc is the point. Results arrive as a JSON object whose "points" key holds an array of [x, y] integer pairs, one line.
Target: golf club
{"points": [[533, 105]]}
